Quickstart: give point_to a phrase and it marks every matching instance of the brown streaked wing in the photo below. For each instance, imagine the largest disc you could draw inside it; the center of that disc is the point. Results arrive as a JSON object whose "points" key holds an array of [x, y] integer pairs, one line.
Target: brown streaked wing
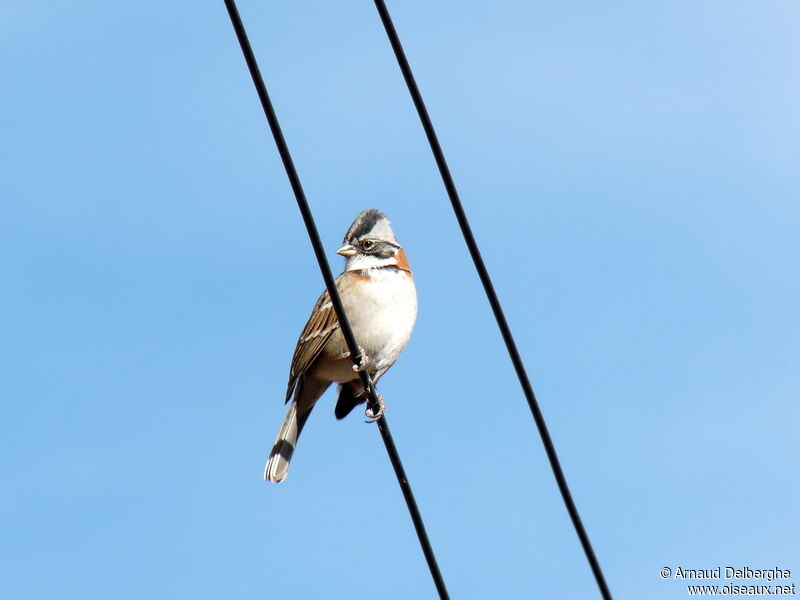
{"points": [[321, 325]]}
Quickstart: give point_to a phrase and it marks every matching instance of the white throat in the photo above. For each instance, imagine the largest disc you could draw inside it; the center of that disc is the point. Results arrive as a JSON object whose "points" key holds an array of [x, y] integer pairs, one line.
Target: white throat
{"points": [[365, 262]]}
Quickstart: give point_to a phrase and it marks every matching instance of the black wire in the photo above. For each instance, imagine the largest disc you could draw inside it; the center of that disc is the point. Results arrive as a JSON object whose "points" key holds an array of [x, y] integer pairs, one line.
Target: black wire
{"points": [[344, 324], [488, 286]]}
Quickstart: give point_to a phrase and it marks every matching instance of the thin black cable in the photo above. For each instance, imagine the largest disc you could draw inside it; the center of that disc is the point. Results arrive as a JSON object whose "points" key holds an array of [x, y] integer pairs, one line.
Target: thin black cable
{"points": [[488, 286], [344, 324]]}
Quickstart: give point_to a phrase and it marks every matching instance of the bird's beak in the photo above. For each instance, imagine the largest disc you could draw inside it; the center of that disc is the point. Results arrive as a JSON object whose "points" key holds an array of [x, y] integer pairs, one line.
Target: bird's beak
{"points": [[347, 250]]}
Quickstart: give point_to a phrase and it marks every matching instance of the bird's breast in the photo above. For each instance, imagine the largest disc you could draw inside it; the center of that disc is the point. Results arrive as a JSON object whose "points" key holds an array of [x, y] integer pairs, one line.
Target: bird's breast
{"points": [[382, 308]]}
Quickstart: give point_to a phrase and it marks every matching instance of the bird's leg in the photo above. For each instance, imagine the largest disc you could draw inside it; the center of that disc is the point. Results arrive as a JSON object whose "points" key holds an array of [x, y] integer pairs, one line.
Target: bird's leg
{"points": [[361, 365], [373, 416]]}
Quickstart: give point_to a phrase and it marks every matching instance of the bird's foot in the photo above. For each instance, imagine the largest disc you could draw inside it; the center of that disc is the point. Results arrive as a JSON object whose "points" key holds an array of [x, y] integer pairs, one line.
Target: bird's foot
{"points": [[373, 416], [361, 365]]}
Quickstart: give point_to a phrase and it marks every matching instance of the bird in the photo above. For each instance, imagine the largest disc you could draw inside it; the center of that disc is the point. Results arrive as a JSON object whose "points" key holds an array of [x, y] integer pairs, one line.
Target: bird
{"points": [[379, 297]]}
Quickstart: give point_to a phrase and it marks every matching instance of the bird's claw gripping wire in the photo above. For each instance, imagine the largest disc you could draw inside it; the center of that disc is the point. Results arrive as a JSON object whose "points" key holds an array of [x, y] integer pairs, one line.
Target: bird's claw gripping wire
{"points": [[361, 365], [373, 416]]}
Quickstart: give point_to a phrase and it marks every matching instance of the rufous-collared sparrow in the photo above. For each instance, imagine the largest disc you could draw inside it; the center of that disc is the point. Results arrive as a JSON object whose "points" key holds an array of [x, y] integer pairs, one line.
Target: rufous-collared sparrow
{"points": [[379, 297]]}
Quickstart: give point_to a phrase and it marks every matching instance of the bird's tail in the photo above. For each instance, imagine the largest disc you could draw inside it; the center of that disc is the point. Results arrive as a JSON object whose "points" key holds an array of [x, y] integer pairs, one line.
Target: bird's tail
{"points": [[278, 462]]}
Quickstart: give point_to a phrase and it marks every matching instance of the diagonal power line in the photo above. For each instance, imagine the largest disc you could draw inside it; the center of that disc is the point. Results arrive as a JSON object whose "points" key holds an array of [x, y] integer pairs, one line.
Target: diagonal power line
{"points": [[488, 286], [344, 324]]}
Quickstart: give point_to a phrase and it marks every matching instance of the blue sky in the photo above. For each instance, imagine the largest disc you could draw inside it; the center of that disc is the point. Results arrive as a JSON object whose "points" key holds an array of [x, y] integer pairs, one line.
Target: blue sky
{"points": [[631, 172]]}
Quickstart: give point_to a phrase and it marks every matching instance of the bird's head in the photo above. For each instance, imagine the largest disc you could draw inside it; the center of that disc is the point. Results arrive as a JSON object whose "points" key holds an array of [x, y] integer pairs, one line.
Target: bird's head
{"points": [[370, 244]]}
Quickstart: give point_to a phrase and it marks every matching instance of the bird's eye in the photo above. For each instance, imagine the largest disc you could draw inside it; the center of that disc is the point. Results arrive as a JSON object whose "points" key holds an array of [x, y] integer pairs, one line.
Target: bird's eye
{"points": [[367, 245]]}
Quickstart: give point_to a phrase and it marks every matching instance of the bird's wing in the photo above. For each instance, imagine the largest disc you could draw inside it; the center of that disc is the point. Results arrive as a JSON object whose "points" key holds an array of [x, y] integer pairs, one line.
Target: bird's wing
{"points": [[321, 325]]}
